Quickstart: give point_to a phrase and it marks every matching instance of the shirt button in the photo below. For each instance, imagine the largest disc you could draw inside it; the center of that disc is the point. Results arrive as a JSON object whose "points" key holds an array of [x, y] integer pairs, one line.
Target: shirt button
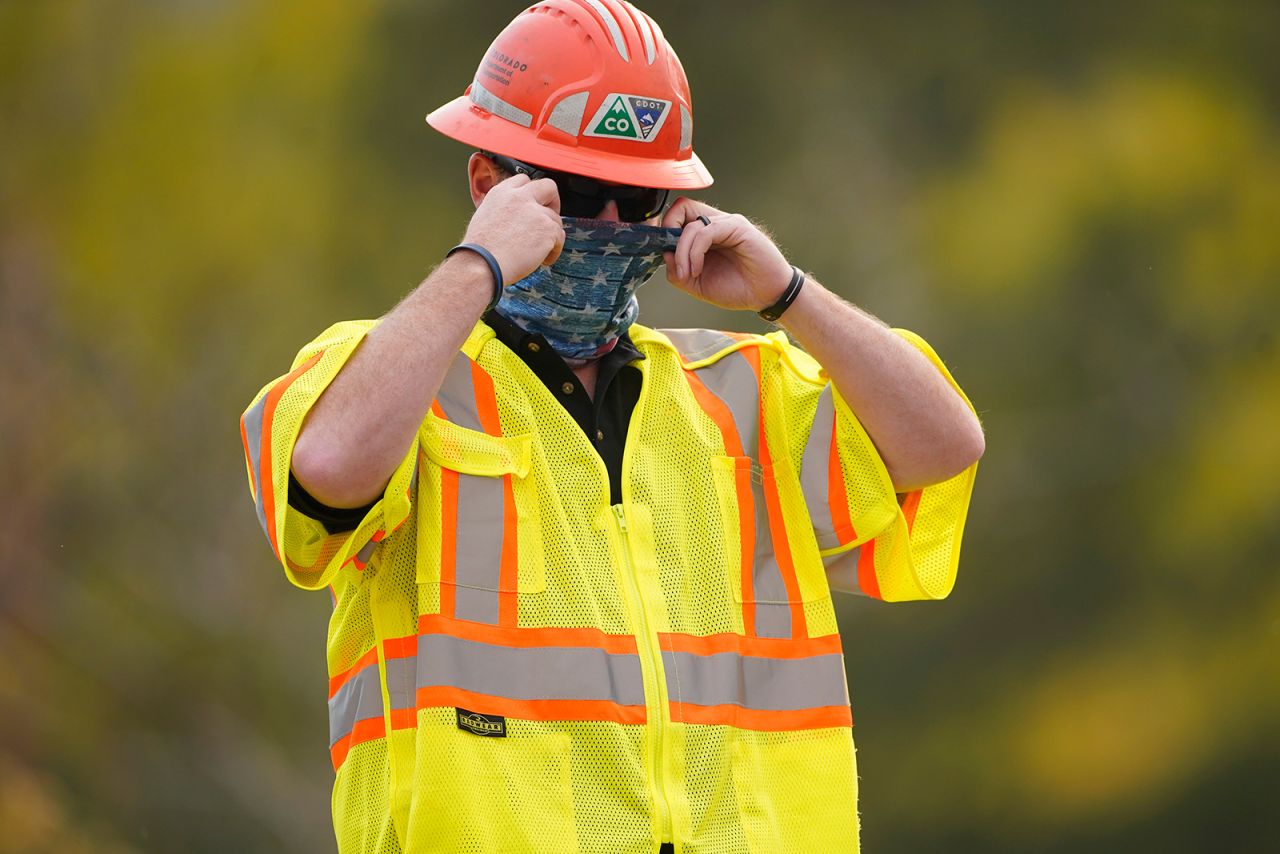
{"points": [[567, 388], [533, 346], [599, 435]]}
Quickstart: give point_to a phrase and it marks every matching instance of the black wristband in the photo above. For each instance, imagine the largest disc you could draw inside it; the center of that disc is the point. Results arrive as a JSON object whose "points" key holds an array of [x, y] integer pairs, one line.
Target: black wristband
{"points": [[773, 312], [493, 268]]}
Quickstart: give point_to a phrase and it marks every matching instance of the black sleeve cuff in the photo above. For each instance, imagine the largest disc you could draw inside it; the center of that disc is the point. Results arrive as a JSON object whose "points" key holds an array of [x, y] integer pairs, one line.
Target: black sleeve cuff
{"points": [[336, 520]]}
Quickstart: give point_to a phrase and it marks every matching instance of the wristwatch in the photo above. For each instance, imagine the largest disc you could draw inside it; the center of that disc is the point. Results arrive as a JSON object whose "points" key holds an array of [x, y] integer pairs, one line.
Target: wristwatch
{"points": [[773, 312]]}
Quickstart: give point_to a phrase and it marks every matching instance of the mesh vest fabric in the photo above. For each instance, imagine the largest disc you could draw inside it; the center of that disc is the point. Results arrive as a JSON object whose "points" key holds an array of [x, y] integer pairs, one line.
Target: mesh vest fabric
{"points": [[668, 668]]}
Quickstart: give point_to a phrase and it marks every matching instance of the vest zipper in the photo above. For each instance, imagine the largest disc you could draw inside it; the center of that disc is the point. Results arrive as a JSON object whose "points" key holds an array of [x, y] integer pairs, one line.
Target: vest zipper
{"points": [[645, 643]]}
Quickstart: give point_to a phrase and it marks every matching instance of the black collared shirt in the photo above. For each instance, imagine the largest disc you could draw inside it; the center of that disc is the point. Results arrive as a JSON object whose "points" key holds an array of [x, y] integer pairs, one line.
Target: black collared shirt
{"points": [[603, 418]]}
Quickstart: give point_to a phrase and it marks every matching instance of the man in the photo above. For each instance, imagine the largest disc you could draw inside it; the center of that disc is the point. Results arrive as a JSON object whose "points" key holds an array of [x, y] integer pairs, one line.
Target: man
{"points": [[581, 569]]}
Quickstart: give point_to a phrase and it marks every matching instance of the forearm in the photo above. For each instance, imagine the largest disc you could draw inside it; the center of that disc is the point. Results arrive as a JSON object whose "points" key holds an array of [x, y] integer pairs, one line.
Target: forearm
{"points": [[923, 429], [358, 431]]}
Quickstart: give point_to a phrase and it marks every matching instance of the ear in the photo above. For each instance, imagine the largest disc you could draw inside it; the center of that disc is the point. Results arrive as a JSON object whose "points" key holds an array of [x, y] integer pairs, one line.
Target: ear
{"points": [[482, 174]]}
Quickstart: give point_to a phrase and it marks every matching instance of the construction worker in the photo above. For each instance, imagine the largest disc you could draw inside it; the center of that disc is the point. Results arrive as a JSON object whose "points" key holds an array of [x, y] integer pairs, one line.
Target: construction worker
{"points": [[582, 569]]}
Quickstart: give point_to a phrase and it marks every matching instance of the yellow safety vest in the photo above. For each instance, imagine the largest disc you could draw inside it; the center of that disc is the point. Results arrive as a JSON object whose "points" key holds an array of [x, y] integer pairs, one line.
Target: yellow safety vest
{"points": [[517, 665]]}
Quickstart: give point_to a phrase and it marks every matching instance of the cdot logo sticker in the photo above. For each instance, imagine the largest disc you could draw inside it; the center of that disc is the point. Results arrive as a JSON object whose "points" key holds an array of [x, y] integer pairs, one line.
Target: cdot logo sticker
{"points": [[629, 117]]}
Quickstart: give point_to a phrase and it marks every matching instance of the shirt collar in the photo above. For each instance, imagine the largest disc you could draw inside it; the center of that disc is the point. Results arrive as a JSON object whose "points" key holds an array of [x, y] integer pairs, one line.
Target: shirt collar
{"points": [[518, 340]]}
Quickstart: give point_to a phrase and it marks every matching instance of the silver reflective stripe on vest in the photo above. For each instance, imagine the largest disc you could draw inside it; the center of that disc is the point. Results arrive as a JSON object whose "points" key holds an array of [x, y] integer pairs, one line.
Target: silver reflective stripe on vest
{"points": [[842, 571], [732, 380], [529, 673], [478, 566], [253, 437], [361, 697], [401, 682], [478, 563], [815, 478], [457, 395], [752, 682], [358, 699], [696, 344], [366, 552]]}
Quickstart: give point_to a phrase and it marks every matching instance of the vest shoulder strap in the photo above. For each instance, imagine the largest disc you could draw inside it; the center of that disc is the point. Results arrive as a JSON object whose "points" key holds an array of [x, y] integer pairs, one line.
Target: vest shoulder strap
{"points": [[702, 348], [699, 348]]}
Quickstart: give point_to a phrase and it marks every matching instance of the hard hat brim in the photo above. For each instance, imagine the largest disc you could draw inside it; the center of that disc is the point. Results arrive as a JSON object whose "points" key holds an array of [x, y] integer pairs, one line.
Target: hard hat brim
{"points": [[462, 120]]}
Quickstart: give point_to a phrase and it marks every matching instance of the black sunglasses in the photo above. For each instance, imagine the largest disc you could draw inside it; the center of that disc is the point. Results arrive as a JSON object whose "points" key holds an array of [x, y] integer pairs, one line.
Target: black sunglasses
{"points": [[581, 196]]}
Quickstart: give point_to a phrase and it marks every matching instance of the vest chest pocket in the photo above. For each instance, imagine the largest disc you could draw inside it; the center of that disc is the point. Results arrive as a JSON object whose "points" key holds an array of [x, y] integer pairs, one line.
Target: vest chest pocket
{"points": [[479, 527], [776, 559]]}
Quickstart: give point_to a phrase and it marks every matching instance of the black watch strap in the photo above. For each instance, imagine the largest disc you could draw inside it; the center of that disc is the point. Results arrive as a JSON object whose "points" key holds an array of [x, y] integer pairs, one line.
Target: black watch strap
{"points": [[773, 312]]}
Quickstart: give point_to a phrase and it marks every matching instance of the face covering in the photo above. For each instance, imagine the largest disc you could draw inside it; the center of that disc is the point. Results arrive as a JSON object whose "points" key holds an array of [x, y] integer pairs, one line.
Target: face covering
{"points": [[586, 300]]}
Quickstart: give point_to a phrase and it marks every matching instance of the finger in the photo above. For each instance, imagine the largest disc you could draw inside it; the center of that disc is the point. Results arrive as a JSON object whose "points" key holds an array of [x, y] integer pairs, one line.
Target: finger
{"points": [[685, 210], [691, 230], [512, 182], [703, 239], [675, 217], [678, 256], [558, 247], [545, 193], [669, 259]]}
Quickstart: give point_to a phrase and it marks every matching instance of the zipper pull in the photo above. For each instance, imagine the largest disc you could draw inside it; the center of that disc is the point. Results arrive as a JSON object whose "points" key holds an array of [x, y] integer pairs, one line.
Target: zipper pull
{"points": [[622, 517]]}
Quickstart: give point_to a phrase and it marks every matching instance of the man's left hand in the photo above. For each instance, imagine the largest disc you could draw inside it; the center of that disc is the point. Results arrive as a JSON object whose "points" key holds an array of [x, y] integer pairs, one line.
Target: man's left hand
{"points": [[727, 261]]}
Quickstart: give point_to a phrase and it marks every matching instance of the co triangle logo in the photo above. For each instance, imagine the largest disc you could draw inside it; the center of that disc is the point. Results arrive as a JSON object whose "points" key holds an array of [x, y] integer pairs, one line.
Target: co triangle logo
{"points": [[632, 117], [616, 121]]}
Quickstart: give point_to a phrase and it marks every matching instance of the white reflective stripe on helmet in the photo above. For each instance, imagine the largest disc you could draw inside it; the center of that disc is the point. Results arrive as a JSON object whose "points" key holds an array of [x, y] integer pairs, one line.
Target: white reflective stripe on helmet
{"points": [[567, 115], [615, 31], [645, 25], [486, 100]]}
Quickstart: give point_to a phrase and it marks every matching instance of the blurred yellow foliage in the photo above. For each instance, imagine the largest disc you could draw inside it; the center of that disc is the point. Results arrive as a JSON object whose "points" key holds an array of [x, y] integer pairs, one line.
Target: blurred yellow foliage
{"points": [[1053, 162], [1080, 209], [1115, 725], [1224, 486], [1108, 728], [35, 818]]}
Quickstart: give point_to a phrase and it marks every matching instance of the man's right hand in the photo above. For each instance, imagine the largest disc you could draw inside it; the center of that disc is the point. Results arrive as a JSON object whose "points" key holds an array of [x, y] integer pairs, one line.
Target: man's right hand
{"points": [[359, 430], [519, 222]]}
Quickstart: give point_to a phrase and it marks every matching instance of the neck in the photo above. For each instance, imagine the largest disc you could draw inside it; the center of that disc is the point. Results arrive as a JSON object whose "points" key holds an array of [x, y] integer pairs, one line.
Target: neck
{"points": [[586, 372]]}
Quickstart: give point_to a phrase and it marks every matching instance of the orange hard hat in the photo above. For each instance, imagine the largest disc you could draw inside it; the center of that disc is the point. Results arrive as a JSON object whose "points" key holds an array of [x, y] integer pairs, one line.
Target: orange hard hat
{"points": [[589, 87]]}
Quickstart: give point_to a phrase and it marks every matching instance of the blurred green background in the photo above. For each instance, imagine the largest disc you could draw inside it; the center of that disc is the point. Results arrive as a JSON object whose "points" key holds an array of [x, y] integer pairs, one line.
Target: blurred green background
{"points": [[1076, 203]]}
